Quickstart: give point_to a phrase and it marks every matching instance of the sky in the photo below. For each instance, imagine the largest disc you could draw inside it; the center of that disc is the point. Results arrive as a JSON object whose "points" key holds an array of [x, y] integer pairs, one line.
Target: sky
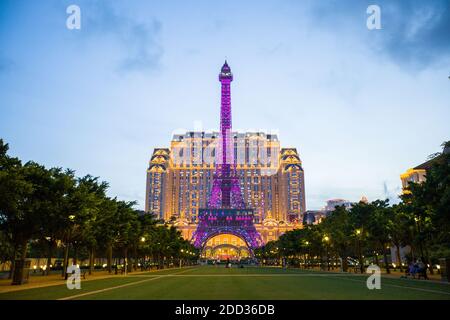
{"points": [[361, 106]]}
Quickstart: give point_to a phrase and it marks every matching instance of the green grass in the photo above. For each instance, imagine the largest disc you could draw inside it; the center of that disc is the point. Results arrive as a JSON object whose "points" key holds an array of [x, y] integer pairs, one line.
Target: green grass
{"points": [[217, 282]]}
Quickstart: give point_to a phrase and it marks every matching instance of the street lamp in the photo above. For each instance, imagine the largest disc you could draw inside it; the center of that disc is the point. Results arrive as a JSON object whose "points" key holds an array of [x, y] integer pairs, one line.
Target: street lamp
{"points": [[181, 257], [66, 251], [142, 239], [327, 239], [358, 236], [309, 253]]}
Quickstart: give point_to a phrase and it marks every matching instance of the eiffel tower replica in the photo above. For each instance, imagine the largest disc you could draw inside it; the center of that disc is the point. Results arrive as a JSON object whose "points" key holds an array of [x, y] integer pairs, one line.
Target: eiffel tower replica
{"points": [[226, 212]]}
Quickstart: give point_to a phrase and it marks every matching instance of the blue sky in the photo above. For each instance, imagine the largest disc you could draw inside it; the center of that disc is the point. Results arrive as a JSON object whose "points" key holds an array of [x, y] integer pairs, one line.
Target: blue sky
{"points": [[360, 106]]}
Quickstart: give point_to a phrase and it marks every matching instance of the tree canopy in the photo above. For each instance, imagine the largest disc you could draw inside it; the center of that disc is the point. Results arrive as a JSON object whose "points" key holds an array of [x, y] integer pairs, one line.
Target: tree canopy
{"points": [[64, 215]]}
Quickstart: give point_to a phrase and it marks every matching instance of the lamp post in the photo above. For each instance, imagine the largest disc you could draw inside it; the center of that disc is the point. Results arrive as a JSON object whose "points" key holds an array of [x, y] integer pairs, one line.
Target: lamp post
{"points": [[326, 239], [143, 241], [181, 257], [358, 233], [309, 253], [68, 241]]}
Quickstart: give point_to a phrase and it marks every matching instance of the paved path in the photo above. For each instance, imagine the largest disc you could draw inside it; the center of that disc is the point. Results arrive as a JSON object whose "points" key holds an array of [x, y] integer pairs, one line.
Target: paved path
{"points": [[41, 281]]}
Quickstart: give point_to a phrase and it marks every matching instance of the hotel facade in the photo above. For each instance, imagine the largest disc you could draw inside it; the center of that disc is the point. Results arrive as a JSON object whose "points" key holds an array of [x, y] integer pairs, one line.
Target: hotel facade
{"points": [[179, 180]]}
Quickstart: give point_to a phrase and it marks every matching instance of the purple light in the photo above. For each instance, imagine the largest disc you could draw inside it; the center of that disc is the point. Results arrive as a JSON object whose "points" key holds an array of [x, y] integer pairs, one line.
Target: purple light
{"points": [[226, 190]]}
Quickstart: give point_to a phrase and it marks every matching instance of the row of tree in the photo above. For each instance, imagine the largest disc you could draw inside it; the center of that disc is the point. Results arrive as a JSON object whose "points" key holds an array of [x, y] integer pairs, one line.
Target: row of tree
{"points": [[55, 213], [421, 221]]}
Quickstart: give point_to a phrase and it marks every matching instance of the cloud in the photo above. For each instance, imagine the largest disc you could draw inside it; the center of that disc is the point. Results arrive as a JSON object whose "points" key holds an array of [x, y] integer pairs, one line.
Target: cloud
{"points": [[144, 53], [418, 32], [415, 34], [138, 39]]}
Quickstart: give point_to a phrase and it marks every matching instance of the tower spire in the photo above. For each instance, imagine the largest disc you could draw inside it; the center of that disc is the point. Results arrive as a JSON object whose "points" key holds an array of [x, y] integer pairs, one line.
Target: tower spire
{"points": [[226, 191]]}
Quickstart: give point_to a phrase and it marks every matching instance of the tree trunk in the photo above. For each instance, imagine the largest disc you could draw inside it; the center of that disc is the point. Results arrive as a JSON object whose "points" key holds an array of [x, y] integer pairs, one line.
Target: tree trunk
{"points": [[428, 261], [125, 260], [399, 258], [66, 261], [11, 269], [91, 260], [23, 256], [24, 250], [386, 263], [13, 263], [75, 255], [49, 257], [135, 259], [344, 264], [413, 253], [109, 262]]}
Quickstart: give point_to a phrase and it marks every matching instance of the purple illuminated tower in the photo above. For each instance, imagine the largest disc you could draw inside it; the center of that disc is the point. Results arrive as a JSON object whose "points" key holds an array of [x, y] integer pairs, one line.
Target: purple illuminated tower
{"points": [[226, 191], [226, 212]]}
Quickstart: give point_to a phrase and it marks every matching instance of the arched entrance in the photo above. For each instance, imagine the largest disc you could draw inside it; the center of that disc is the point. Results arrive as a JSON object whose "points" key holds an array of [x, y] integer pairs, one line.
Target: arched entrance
{"points": [[238, 222], [226, 246]]}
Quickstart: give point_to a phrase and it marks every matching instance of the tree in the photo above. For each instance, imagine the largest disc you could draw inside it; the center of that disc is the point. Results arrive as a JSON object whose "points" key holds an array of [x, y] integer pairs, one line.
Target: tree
{"points": [[105, 230], [52, 222], [125, 220], [360, 217], [429, 205], [13, 189], [50, 206], [341, 232], [378, 227], [434, 193], [83, 203]]}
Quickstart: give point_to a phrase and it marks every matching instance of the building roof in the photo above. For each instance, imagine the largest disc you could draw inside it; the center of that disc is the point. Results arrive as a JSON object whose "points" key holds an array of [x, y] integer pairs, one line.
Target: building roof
{"points": [[215, 134], [226, 68], [427, 165]]}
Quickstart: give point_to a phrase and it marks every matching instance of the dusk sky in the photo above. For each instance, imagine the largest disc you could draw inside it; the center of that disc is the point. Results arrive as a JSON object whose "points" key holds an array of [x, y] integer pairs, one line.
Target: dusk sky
{"points": [[361, 106]]}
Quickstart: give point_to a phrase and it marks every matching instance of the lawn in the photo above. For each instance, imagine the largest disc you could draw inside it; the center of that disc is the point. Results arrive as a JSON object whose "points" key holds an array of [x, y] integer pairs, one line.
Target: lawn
{"points": [[217, 282]]}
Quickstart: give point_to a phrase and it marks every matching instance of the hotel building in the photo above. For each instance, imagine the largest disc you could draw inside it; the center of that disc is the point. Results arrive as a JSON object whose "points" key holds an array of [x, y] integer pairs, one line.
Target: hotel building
{"points": [[179, 180]]}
